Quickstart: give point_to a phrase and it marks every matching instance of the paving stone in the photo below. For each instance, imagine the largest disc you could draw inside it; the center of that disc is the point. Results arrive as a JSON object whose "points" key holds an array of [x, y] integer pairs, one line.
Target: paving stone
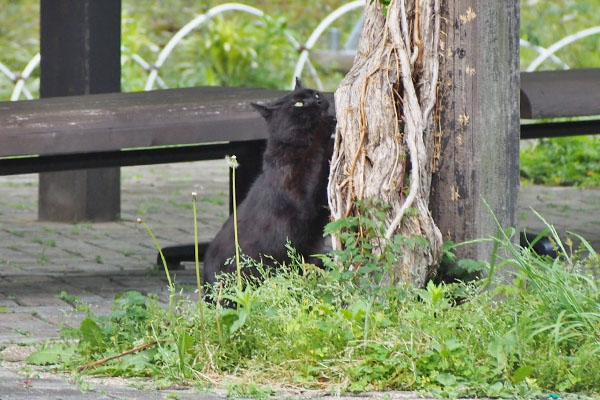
{"points": [[51, 268], [14, 353], [8, 335], [567, 209], [7, 253], [55, 316], [7, 374], [95, 283], [92, 267], [26, 325], [34, 290], [30, 296], [5, 301]]}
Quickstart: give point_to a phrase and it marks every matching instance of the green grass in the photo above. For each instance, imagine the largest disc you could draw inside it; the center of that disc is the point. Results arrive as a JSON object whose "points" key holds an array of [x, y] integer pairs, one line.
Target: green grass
{"points": [[340, 330]]}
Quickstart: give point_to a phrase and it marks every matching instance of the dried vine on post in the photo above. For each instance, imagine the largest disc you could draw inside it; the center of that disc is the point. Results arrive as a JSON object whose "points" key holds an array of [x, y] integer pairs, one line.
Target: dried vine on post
{"points": [[384, 142]]}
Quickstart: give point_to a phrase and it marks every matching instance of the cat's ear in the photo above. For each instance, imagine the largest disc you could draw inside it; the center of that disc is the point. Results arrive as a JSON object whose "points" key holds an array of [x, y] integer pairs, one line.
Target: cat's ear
{"points": [[265, 110], [298, 84]]}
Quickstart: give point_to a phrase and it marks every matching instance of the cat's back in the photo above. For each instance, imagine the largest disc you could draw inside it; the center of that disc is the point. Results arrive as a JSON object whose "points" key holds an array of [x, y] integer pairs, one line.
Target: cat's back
{"points": [[287, 201]]}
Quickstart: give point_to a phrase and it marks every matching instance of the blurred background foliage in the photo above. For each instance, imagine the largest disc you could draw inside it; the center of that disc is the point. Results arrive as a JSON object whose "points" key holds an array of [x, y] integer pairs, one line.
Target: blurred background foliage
{"points": [[238, 49], [544, 22]]}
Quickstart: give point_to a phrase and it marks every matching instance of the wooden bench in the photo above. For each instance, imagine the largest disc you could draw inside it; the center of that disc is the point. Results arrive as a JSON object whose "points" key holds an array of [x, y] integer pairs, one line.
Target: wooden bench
{"points": [[123, 129], [120, 129]]}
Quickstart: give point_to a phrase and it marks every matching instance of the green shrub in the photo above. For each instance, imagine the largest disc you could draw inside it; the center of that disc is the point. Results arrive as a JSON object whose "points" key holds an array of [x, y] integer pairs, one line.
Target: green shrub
{"points": [[562, 161]]}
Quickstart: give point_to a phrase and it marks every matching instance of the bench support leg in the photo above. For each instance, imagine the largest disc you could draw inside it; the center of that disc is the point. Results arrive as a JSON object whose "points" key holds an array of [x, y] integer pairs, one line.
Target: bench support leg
{"points": [[85, 195], [80, 47]]}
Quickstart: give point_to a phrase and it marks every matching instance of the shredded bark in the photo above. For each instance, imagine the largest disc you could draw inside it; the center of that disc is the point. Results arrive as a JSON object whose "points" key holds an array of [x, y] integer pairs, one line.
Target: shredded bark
{"points": [[386, 128]]}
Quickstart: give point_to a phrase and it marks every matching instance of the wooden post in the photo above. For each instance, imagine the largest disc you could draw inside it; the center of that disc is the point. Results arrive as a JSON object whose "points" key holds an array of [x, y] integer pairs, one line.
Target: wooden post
{"points": [[80, 48], [480, 122]]}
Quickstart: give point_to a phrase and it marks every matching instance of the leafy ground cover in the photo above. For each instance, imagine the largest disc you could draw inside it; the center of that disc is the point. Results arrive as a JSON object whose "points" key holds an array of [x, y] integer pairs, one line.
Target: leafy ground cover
{"points": [[533, 334]]}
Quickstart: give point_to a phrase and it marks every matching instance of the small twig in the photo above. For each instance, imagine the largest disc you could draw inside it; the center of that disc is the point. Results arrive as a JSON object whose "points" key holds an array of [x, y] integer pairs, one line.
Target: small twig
{"points": [[404, 25], [134, 350], [217, 316], [363, 124], [363, 136], [416, 32]]}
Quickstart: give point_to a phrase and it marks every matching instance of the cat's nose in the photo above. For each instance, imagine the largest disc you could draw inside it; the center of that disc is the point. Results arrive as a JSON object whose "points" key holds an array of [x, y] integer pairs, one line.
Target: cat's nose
{"points": [[319, 102]]}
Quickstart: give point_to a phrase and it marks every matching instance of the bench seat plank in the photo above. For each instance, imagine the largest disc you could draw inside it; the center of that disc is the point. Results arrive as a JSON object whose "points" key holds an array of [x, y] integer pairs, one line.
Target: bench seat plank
{"points": [[80, 125], [566, 93], [116, 121]]}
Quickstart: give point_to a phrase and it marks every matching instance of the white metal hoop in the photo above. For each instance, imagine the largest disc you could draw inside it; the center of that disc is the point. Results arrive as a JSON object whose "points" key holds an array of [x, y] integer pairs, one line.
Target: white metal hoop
{"points": [[560, 44]]}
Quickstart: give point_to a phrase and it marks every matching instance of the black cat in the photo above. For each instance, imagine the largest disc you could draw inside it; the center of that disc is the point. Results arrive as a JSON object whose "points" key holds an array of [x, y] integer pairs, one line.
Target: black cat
{"points": [[288, 199]]}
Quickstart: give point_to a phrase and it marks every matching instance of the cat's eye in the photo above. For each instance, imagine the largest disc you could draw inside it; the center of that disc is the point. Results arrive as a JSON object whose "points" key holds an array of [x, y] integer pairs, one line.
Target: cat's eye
{"points": [[298, 104]]}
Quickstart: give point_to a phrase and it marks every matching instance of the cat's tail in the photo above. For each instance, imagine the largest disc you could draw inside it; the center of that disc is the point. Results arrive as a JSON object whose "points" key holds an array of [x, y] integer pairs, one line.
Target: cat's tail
{"points": [[174, 255]]}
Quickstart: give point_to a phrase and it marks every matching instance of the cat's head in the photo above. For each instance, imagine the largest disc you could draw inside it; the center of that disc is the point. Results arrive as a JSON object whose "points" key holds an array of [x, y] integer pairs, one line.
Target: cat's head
{"points": [[298, 112]]}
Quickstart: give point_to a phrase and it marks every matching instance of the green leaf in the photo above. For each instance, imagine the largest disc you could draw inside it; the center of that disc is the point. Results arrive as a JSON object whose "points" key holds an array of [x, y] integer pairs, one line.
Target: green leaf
{"points": [[453, 344], [471, 266], [131, 298], [51, 355], [446, 379], [415, 315], [496, 350], [495, 389], [240, 321], [337, 226], [522, 373], [136, 362], [91, 333], [448, 256]]}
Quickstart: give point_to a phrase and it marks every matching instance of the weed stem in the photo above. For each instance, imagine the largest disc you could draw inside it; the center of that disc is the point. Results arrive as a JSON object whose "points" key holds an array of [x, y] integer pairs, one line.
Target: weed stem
{"points": [[197, 259], [162, 256], [235, 228]]}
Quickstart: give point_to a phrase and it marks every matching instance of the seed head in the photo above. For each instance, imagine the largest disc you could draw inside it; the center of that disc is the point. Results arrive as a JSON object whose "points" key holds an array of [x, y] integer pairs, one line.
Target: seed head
{"points": [[232, 161]]}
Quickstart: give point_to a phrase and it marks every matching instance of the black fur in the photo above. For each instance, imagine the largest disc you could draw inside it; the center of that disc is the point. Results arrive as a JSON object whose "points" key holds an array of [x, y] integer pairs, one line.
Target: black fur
{"points": [[288, 199]]}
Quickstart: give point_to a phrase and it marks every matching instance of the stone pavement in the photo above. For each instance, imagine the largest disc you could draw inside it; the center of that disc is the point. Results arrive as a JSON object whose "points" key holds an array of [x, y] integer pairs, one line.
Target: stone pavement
{"points": [[38, 261], [566, 208]]}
